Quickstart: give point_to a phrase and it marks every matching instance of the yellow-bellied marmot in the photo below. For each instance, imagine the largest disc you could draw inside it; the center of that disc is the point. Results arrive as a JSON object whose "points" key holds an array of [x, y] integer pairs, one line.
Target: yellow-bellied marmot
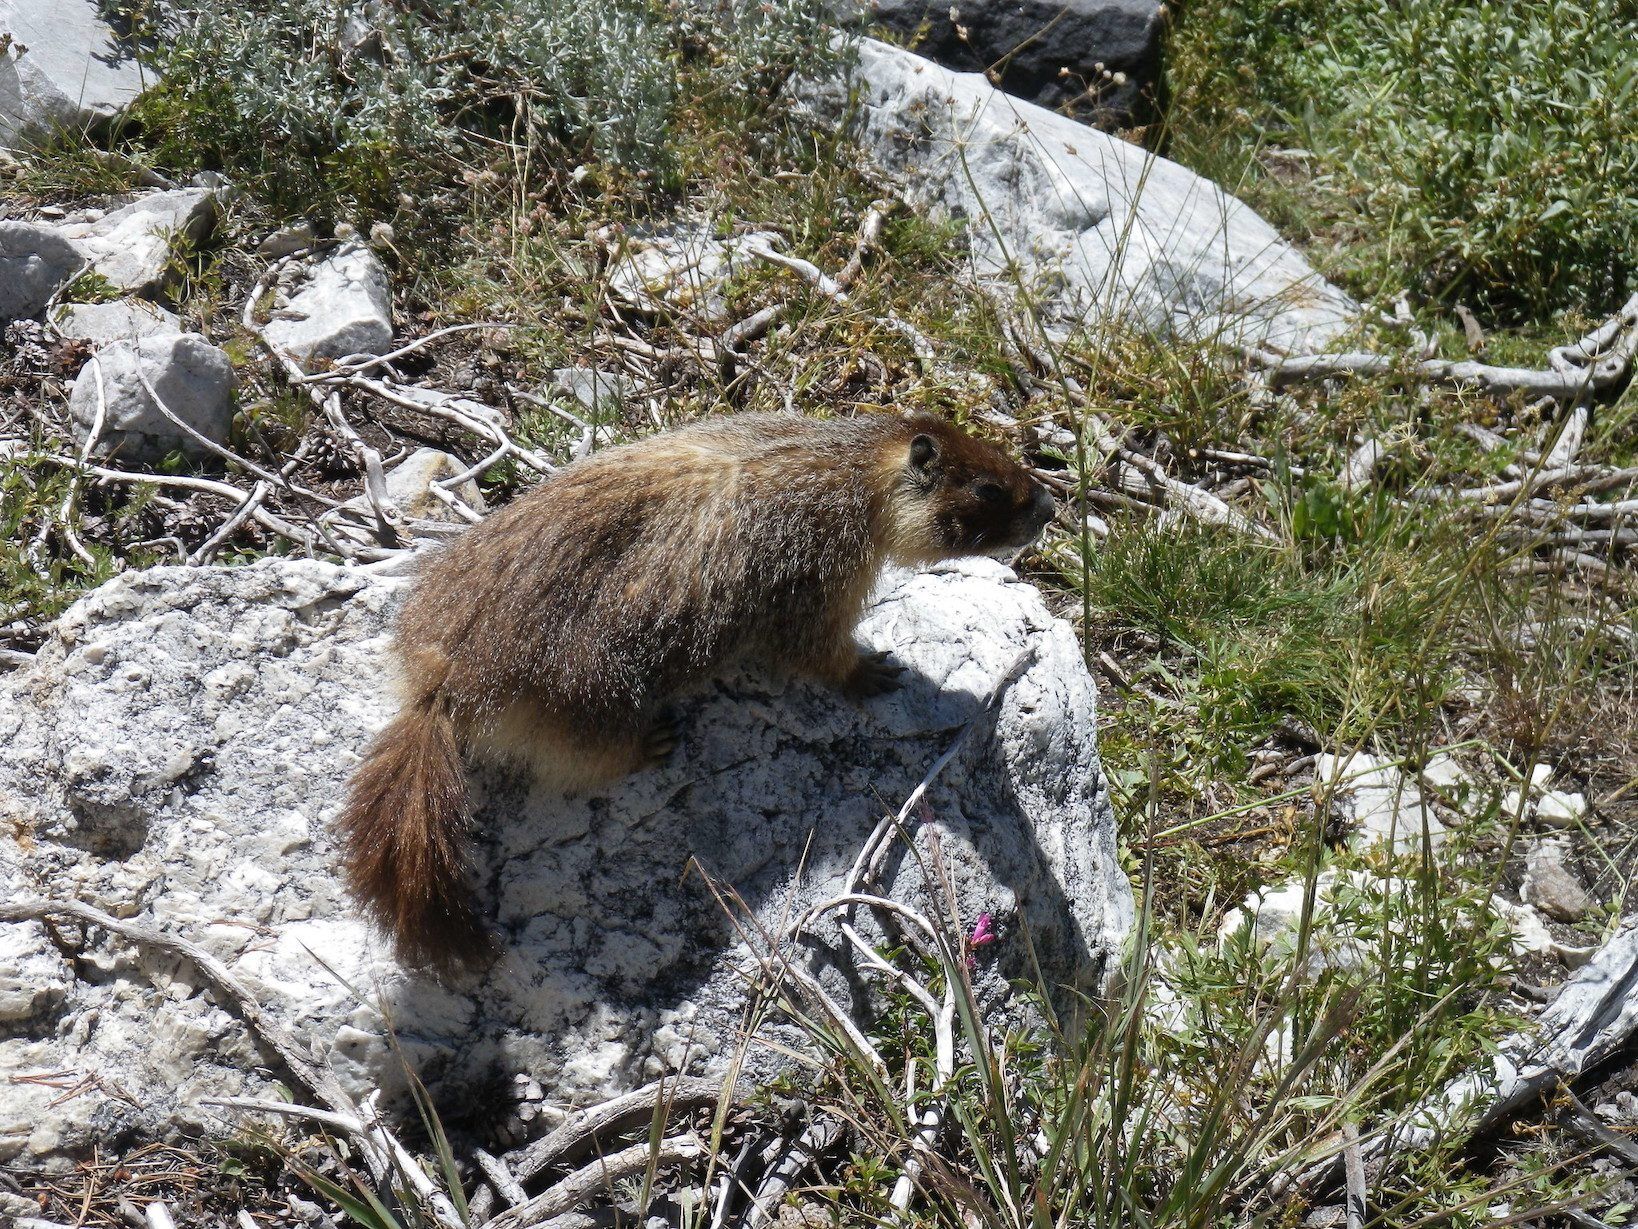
{"points": [[555, 631]]}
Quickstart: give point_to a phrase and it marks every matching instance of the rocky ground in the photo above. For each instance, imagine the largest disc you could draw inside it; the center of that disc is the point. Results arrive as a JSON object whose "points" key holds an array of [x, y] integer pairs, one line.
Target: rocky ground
{"points": [[1356, 588]]}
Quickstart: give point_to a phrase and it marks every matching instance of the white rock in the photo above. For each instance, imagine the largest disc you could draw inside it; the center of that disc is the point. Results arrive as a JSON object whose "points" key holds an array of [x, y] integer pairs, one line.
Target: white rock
{"points": [[344, 308], [103, 323], [34, 977], [1098, 226], [1529, 932], [193, 378], [287, 241], [1446, 773], [1560, 809], [75, 74], [684, 270], [169, 796], [1396, 817], [34, 262], [1271, 920], [1384, 807], [132, 247], [1361, 770]]}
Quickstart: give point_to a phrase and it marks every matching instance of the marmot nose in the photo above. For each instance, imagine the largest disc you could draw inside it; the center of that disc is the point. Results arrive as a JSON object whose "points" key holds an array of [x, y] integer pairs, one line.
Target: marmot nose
{"points": [[1042, 507]]}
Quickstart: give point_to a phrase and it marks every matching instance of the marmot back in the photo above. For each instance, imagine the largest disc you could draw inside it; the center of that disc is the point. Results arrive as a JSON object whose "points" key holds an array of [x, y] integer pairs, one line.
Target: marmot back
{"points": [[555, 632]]}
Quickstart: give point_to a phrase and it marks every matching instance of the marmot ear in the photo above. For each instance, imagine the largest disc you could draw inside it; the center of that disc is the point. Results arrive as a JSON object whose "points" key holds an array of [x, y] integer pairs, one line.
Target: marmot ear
{"points": [[923, 452]]}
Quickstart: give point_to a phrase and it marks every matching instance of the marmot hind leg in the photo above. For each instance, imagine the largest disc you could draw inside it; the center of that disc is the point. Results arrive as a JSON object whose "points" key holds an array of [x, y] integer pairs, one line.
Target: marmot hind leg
{"points": [[575, 759]]}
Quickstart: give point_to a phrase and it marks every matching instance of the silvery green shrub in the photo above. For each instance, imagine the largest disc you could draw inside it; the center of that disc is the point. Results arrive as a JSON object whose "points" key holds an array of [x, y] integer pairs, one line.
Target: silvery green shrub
{"points": [[360, 99]]}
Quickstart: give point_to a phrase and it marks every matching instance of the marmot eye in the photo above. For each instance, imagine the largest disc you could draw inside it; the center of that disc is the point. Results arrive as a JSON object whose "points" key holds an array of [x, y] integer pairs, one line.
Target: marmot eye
{"points": [[989, 493]]}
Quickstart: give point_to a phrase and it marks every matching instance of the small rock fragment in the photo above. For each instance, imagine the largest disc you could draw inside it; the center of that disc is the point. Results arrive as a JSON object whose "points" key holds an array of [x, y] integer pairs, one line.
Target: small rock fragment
{"points": [[1560, 809], [104, 323], [287, 241], [193, 378], [600, 393], [1550, 886], [686, 270], [34, 262], [409, 488], [344, 308]]}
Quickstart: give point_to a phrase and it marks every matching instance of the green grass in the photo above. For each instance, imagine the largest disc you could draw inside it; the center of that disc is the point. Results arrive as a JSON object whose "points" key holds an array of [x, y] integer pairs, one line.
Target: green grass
{"points": [[1492, 148]]}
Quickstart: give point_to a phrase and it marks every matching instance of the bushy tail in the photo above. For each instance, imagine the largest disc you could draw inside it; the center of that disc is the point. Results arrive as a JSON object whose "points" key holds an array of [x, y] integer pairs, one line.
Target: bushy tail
{"points": [[406, 830]]}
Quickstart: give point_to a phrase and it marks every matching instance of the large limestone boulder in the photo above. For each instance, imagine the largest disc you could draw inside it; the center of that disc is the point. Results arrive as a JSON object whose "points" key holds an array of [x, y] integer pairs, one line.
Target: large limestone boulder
{"points": [[177, 753], [65, 70], [1097, 228]]}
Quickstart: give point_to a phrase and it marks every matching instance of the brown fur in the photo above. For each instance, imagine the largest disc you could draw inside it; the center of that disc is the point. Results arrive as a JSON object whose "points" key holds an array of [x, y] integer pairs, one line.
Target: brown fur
{"points": [[555, 631]]}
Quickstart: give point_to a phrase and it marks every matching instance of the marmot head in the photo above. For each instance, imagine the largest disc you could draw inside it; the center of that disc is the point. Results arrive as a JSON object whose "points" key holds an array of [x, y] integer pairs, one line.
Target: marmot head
{"points": [[960, 496]]}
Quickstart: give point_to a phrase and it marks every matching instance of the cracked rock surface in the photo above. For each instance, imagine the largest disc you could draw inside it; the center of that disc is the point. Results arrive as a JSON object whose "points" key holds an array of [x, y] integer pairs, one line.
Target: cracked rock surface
{"points": [[177, 753]]}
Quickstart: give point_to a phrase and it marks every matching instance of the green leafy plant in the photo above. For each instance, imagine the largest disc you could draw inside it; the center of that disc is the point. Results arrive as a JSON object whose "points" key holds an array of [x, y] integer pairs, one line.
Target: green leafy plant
{"points": [[1492, 147]]}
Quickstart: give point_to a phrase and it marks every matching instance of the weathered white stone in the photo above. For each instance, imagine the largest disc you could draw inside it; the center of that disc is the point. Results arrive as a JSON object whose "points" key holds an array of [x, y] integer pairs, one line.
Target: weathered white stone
{"points": [[684, 270], [124, 320], [1446, 773], [132, 246], [179, 749], [34, 261], [75, 73], [1383, 804], [34, 977], [345, 307], [193, 378], [287, 241], [1560, 808], [1271, 920], [1098, 227]]}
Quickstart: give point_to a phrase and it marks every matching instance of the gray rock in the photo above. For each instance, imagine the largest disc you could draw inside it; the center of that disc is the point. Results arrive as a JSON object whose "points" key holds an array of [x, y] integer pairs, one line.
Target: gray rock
{"points": [[600, 393], [193, 378], [287, 242], [103, 323], [132, 246], [76, 72], [345, 307], [1097, 60], [180, 747], [1550, 886], [1100, 230], [34, 262]]}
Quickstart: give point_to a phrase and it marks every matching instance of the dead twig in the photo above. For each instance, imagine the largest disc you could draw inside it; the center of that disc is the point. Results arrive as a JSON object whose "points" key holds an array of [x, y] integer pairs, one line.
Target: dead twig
{"points": [[599, 1175]]}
